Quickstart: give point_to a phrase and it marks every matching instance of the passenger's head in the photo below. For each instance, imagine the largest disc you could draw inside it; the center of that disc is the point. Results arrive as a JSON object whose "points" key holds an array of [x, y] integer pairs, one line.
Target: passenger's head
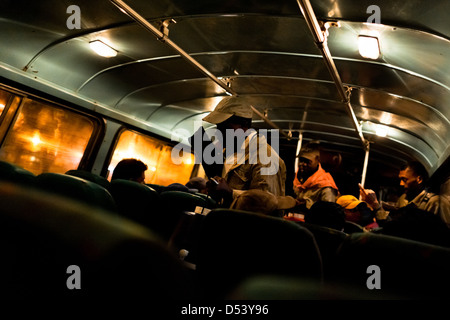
{"points": [[231, 113], [197, 183], [327, 214], [130, 169], [264, 202], [177, 187], [355, 211], [309, 158], [413, 176]]}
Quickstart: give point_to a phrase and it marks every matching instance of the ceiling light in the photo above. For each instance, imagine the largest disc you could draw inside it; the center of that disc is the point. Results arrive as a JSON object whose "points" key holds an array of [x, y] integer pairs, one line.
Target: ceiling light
{"points": [[368, 47], [102, 49], [381, 130]]}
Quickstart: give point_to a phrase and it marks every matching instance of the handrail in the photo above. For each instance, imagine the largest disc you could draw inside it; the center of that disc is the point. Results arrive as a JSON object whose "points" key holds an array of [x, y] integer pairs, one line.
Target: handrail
{"points": [[321, 41], [269, 122], [164, 38]]}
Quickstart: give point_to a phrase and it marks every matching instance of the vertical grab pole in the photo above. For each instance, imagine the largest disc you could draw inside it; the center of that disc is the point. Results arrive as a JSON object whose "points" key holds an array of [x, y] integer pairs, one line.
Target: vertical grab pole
{"points": [[321, 42], [300, 136], [299, 146], [366, 161]]}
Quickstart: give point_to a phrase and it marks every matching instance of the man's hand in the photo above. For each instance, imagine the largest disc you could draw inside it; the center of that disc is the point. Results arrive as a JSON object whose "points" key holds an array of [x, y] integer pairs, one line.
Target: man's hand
{"points": [[222, 185], [369, 196], [219, 189]]}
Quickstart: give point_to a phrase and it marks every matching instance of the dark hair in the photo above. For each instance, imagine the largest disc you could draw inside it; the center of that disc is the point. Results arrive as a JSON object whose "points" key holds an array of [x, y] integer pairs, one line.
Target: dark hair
{"points": [[327, 214], [244, 122], [196, 183], [311, 147], [129, 169], [313, 144], [418, 169]]}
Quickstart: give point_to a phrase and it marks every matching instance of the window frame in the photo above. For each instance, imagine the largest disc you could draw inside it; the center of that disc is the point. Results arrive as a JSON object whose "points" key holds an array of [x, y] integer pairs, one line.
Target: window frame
{"points": [[108, 159], [10, 114]]}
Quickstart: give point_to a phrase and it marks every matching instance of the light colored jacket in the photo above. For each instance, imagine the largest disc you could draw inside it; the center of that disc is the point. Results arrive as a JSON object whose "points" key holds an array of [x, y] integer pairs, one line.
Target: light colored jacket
{"points": [[259, 167], [310, 196], [427, 201]]}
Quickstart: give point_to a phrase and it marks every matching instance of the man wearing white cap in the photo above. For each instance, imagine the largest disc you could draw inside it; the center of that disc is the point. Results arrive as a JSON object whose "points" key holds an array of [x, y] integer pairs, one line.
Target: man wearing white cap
{"points": [[244, 166]]}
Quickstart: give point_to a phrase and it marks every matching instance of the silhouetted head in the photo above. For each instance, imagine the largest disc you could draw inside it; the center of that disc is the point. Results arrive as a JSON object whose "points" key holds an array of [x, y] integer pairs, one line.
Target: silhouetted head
{"points": [[130, 169], [327, 214]]}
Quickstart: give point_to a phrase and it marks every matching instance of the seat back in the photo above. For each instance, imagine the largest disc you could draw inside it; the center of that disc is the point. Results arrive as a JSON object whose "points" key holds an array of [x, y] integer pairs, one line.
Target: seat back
{"points": [[185, 201], [87, 175], [233, 245], [210, 202], [139, 203], [328, 241], [175, 204], [158, 188], [13, 173], [76, 188], [407, 268], [43, 234]]}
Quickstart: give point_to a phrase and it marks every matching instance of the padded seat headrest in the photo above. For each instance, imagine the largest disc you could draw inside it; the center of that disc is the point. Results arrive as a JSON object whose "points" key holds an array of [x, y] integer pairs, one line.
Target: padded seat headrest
{"points": [[76, 188]]}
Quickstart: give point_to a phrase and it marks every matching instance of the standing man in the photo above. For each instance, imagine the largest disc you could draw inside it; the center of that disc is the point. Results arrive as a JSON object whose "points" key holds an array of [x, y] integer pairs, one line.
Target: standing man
{"points": [[249, 162], [312, 183], [413, 178]]}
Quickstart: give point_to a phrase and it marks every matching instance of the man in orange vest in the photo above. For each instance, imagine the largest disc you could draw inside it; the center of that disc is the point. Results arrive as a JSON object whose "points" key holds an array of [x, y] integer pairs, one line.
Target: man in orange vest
{"points": [[312, 183]]}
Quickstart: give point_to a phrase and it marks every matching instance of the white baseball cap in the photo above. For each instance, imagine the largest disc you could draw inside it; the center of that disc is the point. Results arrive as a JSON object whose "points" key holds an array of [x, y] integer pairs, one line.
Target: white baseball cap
{"points": [[228, 107]]}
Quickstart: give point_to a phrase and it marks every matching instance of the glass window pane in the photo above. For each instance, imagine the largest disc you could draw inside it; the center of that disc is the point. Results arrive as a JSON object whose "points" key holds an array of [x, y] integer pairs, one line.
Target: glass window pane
{"points": [[138, 146], [4, 97], [201, 172], [45, 138], [168, 172], [155, 154]]}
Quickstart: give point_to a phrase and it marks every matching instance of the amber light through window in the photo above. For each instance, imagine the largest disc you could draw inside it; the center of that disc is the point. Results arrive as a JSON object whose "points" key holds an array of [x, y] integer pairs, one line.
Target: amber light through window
{"points": [[4, 97], [156, 155], [45, 138]]}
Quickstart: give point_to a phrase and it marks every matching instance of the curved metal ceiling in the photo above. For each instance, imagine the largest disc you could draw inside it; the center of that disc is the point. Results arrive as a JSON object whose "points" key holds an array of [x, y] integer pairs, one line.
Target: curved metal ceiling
{"points": [[263, 50]]}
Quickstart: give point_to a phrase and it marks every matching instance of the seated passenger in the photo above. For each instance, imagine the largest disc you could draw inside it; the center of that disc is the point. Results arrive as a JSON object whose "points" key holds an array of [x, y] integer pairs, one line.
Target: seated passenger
{"points": [[444, 204], [130, 169], [413, 223], [311, 182], [264, 202], [413, 178], [357, 211], [178, 187], [326, 214], [197, 183]]}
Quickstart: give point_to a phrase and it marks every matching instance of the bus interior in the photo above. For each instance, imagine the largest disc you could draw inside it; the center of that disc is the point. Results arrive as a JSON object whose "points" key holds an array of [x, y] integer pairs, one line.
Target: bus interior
{"points": [[85, 84]]}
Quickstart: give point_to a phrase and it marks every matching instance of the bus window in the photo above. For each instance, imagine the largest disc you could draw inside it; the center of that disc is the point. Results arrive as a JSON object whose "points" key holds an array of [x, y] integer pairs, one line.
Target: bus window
{"points": [[201, 172], [8, 108], [168, 172], [46, 138], [156, 155], [4, 97]]}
